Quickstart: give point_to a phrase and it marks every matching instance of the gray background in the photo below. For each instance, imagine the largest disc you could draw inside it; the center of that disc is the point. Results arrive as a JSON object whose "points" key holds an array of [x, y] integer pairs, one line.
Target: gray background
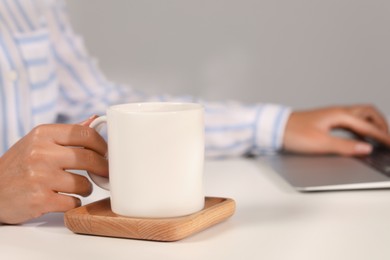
{"points": [[302, 53]]}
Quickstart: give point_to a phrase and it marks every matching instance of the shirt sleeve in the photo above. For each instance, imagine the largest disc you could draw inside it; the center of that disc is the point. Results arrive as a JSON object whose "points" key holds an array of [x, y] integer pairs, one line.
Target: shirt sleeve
{"points": [[231, 128], [234, 129], [84, 90]]}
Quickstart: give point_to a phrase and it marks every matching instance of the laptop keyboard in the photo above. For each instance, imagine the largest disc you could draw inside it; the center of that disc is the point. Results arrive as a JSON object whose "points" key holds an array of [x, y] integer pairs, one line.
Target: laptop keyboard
{"points": [[378, 159]]}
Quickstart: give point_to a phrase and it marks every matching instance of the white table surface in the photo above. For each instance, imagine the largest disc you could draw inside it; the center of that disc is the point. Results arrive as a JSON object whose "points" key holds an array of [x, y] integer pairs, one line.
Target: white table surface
{"points": [[272, 221]]}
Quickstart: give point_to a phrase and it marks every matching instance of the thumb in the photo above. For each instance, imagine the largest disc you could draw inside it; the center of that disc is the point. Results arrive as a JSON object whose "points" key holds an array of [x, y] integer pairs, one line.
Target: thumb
{"points": [[349, 147], [88, 121]]}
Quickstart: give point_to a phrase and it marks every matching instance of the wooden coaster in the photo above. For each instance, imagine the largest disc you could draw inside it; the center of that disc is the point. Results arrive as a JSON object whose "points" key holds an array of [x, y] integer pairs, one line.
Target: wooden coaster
{"points": [[98, 219]]}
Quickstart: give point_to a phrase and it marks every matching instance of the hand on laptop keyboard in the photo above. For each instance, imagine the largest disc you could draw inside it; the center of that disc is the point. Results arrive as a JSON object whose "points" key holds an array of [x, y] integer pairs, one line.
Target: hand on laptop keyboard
{"points": [[310, 131], [379, 158]]}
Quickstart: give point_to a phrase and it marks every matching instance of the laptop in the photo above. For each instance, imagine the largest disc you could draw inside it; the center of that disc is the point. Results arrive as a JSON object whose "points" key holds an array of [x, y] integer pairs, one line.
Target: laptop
{"points": [[329, 173]]}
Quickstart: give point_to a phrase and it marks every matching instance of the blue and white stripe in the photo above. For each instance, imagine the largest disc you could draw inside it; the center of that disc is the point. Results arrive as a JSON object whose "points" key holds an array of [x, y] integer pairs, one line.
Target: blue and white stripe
{"points": [[47, 76]]}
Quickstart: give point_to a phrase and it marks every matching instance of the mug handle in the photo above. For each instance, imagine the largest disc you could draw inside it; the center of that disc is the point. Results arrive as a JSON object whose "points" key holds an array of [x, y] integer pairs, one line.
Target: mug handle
{"points": [[100, 181]]}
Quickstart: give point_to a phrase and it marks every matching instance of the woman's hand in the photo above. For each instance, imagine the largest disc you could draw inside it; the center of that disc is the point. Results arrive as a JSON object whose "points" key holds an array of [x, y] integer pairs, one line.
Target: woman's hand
{"points": [[310, 131], [33, 176]]}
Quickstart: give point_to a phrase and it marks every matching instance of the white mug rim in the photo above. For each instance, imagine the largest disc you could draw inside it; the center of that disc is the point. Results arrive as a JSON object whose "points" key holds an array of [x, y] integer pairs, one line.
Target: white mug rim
{"points": [[155, 107]]}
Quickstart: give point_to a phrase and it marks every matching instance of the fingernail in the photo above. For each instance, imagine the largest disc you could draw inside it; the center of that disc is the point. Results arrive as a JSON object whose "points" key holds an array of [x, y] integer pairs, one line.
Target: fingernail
{"points": [[89, 119], [363, 148]]}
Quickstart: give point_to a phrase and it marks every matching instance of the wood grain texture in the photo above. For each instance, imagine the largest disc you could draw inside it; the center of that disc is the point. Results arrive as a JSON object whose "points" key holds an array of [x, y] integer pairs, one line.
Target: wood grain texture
{"points": [[98, 219]]}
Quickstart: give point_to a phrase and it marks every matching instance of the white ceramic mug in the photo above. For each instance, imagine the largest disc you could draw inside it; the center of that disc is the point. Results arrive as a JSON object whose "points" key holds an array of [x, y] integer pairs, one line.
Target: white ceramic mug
{"points": [[156, 156]]}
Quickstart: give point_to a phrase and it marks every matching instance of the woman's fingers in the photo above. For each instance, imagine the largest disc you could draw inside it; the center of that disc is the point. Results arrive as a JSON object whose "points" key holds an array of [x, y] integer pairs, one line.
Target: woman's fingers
{"points": [[35, 169], [364, 128], [88, 121], [58, 157], [71, 135], [347, 147], [61, 203], [83, 159], [310, 131], [67, 182], [370, 114]]}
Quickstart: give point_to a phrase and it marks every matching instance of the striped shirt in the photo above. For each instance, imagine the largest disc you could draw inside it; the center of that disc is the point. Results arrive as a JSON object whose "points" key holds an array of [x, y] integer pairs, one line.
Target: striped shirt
{"points": [[47, 76]]}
